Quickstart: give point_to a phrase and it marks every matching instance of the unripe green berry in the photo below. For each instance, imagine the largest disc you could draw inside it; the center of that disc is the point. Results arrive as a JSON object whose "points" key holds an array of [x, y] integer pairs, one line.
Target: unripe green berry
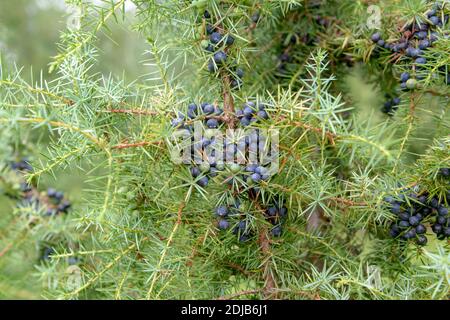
{"points": [[411, 84], [204, 167], [204, 43], [234, 167]]}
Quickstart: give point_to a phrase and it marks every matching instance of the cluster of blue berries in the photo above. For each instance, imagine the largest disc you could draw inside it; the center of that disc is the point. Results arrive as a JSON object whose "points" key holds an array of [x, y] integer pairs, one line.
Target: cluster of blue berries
{"points": [[416, 39], [225, 213], [391, 105], [413, 212], [250, 173], [275, 214], [250, 113], [212, 117], [56, 203], [52, 201], [218, 44], [210, 113], [21, 165]]}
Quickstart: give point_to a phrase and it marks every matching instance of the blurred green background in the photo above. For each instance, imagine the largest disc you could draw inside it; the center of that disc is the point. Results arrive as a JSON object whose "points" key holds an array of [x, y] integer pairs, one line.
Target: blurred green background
{"points": [[30, 30]]}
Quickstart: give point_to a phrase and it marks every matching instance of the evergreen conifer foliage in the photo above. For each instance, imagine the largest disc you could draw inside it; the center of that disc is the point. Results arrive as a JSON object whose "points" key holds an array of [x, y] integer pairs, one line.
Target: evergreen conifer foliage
{"points": [[329, 224]]}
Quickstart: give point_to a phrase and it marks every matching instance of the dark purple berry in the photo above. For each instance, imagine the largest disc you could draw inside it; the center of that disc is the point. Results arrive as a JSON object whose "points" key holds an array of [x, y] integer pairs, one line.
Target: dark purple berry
{"points": [[376, 37], [256, 177], [394, 232], [222, 211], [435, 20], [404, 77], [47, 253], [245, 121], [255, 17], [203, 182], [446, 232], [411, 233], [431, 13], [396, 101], [395, 208], [414, 221], [64, 207], [404, 216], [421, 240], [195, 172], [220, 57], [441, 220], [272, 211], [420, 229], [434, 203], [421, 60], [212, 67], [248, 111], [437, 228], [230, 40], [412, 52], [263, 114], [215, 37], [59, 195], [223, 224], [208, 108], [276, 231], [424, 44], [212, 123], [210, 28], [403, 224], [421, 35], [422, 199], [191, 114], [442, 211], [51, 192]]}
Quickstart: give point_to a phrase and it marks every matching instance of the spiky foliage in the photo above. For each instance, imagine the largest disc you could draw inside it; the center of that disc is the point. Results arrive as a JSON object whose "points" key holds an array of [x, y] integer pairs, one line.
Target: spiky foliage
{"points": [[146, 229]]}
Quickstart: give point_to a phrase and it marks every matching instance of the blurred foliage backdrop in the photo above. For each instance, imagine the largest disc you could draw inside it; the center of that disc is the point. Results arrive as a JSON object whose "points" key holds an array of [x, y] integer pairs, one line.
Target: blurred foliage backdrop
{"points": [[30, 29]]}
